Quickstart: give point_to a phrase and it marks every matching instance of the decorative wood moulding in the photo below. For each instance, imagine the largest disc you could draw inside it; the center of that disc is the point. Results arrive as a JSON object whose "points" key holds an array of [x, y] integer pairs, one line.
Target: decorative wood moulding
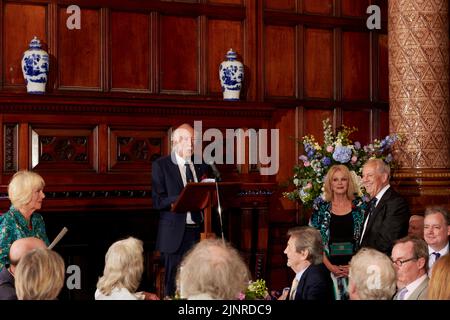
{"points": [[164, 7], [132, 105], [291, 19], [427, 182]]}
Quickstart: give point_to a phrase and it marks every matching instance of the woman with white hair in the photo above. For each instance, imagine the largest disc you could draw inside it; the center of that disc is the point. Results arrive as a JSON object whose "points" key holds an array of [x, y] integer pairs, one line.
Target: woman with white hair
{"points": [[124, 265], [25, 191]]}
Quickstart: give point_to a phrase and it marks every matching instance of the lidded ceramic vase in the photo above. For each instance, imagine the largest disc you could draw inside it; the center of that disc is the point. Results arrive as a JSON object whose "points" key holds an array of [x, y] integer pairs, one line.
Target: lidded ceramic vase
{"points": [[35, 66], [231, 73]]}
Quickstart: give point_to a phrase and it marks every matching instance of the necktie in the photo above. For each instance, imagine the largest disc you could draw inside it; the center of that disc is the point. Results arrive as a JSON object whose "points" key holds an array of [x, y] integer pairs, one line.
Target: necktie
{"points": [[370, 209], [293, 289], [189, 175], [402, 293], [437, 255]]}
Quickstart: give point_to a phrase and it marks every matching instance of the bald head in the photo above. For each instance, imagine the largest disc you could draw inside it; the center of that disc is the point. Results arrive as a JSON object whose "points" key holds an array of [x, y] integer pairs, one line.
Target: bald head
{"points": [[21, 247], [182, 141]]}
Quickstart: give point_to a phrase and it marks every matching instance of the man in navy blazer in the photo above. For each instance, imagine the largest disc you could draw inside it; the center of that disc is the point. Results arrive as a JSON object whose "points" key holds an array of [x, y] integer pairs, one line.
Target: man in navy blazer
{"points": [[388, 220], [312, 280], [177, 232]]}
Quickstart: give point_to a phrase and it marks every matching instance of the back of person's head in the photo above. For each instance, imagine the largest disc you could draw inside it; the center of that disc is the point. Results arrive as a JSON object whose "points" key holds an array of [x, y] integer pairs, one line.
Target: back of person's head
{"points": [[213, 268], [308, 238], [22, 186], [439, 285], [39, 275], [21, 247], [124, 265], [371, 276]]}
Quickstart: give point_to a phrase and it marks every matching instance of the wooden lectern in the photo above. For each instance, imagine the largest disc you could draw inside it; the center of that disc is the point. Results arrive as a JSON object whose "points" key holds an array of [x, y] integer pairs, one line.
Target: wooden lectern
{"points": [[198, 196]]}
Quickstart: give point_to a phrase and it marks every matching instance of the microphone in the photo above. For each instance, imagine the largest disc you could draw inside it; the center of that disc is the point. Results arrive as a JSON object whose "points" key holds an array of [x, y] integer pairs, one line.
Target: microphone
{"points": [[215, 171], [217, 177]]}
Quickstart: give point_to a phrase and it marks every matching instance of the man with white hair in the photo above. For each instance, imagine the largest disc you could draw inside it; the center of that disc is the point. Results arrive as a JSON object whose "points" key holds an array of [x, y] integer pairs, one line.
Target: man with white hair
{"points": [[177, 233], [416, 226]]}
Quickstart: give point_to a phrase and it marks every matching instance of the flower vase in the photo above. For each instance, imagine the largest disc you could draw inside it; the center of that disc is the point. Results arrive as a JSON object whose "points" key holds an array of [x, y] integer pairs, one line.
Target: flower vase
{"points": [[35, 63], [231, 73]]}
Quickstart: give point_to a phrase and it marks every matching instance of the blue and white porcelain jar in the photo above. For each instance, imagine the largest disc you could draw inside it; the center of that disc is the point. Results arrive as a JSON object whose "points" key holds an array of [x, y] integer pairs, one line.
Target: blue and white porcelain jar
{"points": [[231, 73], [35, 63]]}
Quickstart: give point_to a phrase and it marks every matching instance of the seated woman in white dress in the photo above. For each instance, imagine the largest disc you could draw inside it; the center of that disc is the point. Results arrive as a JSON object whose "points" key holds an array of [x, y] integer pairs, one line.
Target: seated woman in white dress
{"points": [[124, 265]]}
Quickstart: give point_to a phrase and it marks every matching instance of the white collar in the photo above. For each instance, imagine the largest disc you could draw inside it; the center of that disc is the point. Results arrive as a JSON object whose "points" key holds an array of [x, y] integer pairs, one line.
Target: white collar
{"points": [[299, 274], [413, 285], [181, 161], [381, 193], [443, 251]]}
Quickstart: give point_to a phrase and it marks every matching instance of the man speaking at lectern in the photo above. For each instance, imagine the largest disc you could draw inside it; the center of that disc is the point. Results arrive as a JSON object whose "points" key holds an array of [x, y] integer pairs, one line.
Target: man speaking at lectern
{"points": [[177, 232]]}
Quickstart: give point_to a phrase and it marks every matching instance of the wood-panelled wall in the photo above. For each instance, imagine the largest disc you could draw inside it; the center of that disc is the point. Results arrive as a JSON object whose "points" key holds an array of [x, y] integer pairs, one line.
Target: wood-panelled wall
{"points": [[137, 68]]}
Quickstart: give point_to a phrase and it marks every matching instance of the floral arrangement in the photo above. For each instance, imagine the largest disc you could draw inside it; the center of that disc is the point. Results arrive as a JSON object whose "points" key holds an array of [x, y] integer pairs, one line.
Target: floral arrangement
{"points": [[337, 148], [256, 290]]}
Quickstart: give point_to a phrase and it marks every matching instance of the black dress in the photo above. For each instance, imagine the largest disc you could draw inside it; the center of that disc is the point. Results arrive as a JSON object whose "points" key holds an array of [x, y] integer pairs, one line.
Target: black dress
{"points": [[341, 239]]}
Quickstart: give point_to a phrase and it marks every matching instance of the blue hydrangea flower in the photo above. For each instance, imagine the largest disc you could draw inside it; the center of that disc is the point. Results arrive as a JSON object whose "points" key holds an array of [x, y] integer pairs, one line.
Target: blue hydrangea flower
{"points": [[342, 154], [326, 161]]}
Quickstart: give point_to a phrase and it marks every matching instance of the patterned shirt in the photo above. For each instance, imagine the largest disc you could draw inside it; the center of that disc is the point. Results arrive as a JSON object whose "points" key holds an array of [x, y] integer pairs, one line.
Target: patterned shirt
{"points": [[321, 217], [13, 226]]}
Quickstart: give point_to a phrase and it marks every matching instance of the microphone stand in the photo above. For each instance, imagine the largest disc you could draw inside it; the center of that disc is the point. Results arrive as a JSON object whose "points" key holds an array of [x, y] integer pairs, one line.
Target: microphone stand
{"points": [[219, 209]]}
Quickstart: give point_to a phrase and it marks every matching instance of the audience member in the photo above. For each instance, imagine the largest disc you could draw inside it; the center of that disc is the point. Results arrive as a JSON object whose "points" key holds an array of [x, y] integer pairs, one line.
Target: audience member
{"points": [[177, 233], [410, 257], [26, 193], [439, 286], [39, 275], [212, 269], [18, 249], [339, 219], [124, 265], [388, 212], [372, 276], [436, 232], [304, 252], [416, 226]]}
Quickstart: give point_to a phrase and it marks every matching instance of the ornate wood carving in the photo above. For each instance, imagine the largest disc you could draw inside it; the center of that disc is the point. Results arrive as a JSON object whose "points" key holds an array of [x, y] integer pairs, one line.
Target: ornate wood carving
{"points": [[135, 149], [58, 148], [10, 147]]}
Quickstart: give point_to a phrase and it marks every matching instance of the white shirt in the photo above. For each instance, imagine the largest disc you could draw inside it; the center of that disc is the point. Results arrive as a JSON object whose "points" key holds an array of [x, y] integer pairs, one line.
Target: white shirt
{"points": [[413, 286], [378, 196], [381, 193], [432, 257], [181, 166], [119, 294]]}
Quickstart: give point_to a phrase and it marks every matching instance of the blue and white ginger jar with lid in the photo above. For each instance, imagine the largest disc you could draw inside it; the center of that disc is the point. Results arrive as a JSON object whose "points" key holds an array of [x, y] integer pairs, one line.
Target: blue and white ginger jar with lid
{"points": [[231, 73], [35, 64]]}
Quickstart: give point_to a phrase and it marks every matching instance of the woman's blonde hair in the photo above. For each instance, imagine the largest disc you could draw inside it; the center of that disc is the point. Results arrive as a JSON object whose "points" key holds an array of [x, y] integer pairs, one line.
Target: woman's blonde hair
{"points": [[39, 275], [439, 285], [22, 186], [124, 265], [352, 187], [214, 268]]}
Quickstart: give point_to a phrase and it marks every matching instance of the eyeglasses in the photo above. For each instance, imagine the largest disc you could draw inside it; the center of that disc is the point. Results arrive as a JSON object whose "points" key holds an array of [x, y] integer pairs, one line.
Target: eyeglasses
{"points": [[399, 262]]}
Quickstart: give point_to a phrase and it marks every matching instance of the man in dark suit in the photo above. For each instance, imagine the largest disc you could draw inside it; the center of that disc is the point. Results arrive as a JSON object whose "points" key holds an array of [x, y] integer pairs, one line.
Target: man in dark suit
{"points": [[388, 213], [177, 232], [312, 281]]}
